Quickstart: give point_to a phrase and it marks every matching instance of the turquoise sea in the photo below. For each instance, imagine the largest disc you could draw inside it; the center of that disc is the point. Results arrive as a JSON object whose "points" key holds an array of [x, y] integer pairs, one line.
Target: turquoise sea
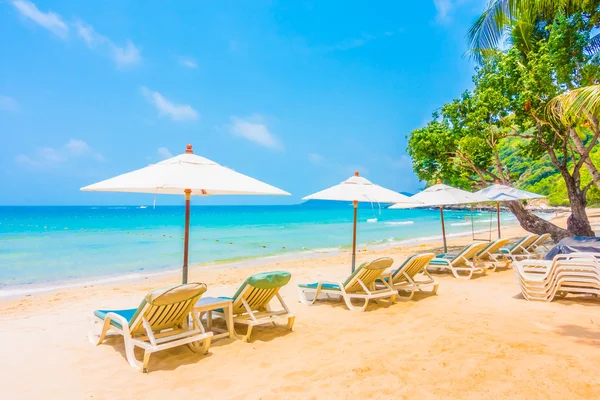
{"points": [[51, 244]]}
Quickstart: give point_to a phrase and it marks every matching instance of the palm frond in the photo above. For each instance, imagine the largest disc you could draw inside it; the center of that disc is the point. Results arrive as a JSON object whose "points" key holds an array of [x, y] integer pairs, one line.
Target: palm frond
{"points": [[576, 105], [488, 30], [501, 16]]}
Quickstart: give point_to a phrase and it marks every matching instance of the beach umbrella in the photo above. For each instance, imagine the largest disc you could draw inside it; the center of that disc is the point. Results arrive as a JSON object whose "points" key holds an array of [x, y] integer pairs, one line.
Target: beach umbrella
{"points": [[358, 189], [190, 175], [500, 193], [443, 195]]}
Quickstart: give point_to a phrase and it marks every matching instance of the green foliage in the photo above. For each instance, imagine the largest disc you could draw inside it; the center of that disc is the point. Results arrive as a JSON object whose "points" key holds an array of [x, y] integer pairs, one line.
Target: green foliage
{"points": [[502, 129]]}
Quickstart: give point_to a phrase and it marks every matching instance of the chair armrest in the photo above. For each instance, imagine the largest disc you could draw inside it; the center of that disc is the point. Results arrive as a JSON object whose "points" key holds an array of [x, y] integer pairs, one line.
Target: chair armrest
{"points": [[120, 319]]}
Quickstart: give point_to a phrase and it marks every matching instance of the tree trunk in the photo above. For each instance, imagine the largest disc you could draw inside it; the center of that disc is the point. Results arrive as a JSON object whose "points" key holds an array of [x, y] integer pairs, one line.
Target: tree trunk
{"points": [[534, 224], [577, 223], [589, 164]]}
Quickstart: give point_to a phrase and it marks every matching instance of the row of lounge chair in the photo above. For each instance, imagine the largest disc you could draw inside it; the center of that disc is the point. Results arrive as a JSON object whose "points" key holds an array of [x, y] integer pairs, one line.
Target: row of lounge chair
{"points": [[369, 283], [545, 280], [479, 257], [165, 318]]}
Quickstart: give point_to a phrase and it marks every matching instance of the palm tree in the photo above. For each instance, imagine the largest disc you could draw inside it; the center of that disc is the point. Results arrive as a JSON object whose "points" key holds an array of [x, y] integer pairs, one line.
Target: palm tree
{"points": [[519, 21]]}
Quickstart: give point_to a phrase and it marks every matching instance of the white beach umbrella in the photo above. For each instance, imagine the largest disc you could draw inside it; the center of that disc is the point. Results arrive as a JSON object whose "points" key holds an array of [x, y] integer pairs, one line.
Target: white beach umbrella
{"points": [[500, 193], [358, 189], [186, 174], [443, 195]]}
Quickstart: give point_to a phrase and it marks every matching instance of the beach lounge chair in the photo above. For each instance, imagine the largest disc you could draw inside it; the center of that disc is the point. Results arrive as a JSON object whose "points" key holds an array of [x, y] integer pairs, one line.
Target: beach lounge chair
{"points": [[411, 276], [521, 249], [160, 322], [465, 261], [540, 243], [250, 304], [359, 285], [492, 257]]}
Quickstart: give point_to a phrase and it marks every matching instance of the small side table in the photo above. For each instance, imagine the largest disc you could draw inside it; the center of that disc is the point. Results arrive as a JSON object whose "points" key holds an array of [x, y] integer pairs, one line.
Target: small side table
{"points": [[210, 304]]}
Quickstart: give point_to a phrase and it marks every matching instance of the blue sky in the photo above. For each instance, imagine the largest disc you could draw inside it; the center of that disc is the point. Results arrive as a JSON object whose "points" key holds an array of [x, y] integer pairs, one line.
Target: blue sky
{"points": [[298, 94]]}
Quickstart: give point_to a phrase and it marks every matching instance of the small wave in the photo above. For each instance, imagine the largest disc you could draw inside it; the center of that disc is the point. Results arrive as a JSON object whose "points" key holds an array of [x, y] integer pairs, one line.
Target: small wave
{"points": [[460, 224], [399, 223], [372, 220]]}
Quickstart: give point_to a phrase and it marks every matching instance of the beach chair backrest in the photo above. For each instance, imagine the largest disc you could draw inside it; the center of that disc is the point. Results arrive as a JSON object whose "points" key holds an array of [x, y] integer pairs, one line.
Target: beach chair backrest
{"points": [[412, 266], [467, 253], [166, 308], [540, 240], [491, 248], [258, 290], [520, 246], [367, 273]]}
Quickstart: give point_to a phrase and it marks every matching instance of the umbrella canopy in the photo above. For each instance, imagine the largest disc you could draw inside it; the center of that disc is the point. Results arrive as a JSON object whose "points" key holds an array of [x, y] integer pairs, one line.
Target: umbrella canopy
{"points": [[500, 193], [186, 171], [443, 195], [186, 174], [358, 189]]}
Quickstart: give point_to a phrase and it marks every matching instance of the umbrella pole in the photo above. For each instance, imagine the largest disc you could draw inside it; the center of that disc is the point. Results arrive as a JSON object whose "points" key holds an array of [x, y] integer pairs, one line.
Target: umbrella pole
{"points": [[186, 235], [354, 236], [498, 217], [443, 228]]}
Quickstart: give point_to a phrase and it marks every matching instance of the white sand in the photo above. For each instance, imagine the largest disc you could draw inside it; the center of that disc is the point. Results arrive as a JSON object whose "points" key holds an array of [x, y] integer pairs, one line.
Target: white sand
{"points": [[475, 339]]}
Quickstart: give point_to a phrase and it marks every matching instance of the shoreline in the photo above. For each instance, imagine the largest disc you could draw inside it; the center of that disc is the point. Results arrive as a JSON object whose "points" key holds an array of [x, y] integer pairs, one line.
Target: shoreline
{"points": [[26, 290]]}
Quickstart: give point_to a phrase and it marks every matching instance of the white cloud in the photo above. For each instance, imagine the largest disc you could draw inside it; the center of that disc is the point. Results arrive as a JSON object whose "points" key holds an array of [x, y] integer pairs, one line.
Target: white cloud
{"points": [[127, 55], [315, 158], [77, 147], [255, 130], [444, 9], [123, 56], [8, 104], [51, 21], [177, 112], [163, 153], [88, 34], [50, 156], [188, 62]]}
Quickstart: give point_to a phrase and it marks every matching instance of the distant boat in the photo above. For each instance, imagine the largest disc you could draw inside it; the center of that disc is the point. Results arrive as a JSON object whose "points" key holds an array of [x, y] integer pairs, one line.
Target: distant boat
{"points": [[372, 220], [142, 206]]}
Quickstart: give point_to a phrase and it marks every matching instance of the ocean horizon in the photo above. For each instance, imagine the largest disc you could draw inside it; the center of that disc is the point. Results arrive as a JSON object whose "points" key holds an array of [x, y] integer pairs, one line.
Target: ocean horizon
{"points": [[48, 244]]}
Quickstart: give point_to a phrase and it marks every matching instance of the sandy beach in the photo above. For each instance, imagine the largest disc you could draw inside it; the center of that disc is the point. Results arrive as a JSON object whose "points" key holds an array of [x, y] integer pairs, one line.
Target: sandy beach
{"points": [[474, 339]]}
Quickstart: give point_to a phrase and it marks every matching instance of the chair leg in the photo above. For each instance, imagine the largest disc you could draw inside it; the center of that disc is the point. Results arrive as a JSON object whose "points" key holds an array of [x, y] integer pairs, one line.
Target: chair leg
{"points": [[248, 333], [304, 300], [147, 355], [98, 339], [435, 288], [131, 354], [290, 323]]}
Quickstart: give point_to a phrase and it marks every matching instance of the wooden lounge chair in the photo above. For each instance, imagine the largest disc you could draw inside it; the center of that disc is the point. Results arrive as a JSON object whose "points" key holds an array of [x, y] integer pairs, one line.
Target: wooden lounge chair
{"points": [[491, 256], [404, 278], [250, 304], [521, 249], [359, 285], [159, 323], [465, 261]]}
